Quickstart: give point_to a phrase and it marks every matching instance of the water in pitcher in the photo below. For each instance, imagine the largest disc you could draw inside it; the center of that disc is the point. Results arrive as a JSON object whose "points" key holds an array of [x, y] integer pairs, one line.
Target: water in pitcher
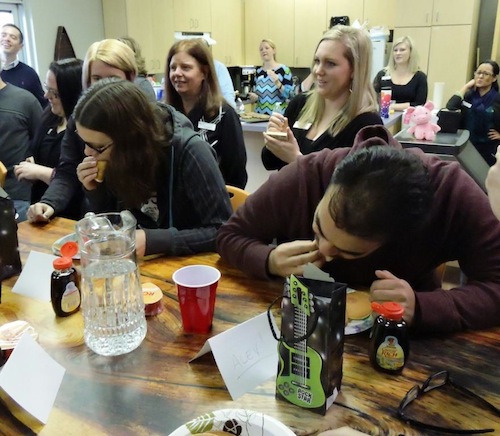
{"points": [[113, 312], [112, 299]]}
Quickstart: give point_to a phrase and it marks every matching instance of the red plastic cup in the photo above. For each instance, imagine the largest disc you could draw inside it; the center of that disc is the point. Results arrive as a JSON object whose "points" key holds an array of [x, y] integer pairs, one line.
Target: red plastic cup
{"points": [[196, 289]]}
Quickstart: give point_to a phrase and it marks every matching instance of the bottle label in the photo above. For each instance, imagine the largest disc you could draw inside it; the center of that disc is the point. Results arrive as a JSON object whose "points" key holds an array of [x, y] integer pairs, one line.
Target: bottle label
{"points": [[71, 298], [390, 354]]}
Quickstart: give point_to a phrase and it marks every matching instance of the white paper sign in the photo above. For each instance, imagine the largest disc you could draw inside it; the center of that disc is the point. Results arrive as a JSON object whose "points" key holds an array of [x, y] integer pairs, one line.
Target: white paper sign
{"points": [[246, 355], [32, 378], [34, 280]]}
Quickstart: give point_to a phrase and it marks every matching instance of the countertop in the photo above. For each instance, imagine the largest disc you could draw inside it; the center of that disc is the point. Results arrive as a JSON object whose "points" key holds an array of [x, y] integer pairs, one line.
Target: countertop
{"points": [[393, 120]]}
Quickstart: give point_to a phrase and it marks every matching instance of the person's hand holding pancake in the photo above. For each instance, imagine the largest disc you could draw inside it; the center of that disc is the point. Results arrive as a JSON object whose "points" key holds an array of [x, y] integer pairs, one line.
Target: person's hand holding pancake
{"points": [[87, 172], [279, 139], [388, 287], [291, 258]]}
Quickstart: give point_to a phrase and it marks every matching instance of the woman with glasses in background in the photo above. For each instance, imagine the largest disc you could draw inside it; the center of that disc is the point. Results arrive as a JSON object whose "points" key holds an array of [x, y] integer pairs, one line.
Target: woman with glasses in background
{"points": [[106, 58], [157, 167], [479, 102], [63, 86]]}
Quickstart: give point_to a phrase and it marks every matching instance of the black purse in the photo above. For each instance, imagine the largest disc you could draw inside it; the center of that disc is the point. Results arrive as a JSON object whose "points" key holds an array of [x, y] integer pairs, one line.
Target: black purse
{"points": [[10, 261]]}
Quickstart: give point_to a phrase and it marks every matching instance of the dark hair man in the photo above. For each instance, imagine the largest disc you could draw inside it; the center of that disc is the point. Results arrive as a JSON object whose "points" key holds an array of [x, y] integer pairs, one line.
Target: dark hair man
{"points": [[385, 220]]}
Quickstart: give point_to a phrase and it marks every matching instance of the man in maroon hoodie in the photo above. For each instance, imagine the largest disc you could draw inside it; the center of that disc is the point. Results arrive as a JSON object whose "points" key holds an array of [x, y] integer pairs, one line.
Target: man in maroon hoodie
{"points": [[377, 216]]}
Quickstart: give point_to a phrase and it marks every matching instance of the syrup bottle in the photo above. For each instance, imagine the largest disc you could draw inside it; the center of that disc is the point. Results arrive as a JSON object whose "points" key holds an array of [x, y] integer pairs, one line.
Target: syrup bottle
{"points": [[64, 283], [389, 339]]}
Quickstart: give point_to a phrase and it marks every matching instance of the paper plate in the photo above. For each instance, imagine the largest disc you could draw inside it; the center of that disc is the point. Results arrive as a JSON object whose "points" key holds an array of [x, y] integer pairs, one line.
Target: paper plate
{"points": [[56, 246], [358, 325], [236, 422]]}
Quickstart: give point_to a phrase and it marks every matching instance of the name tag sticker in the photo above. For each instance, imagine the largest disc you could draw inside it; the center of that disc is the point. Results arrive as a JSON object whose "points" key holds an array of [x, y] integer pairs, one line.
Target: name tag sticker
{"points": [[466, 104], [386, 78], [206, 126]]}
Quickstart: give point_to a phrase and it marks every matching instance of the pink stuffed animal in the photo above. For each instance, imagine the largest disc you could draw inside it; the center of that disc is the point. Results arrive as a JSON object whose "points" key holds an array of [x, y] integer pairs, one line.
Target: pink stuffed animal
{"points": [[422, 127]]}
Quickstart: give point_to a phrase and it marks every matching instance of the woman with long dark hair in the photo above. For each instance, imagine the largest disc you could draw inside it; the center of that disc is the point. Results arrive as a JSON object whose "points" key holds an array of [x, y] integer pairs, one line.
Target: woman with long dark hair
{"points": [[63, 86], [156, 166]]}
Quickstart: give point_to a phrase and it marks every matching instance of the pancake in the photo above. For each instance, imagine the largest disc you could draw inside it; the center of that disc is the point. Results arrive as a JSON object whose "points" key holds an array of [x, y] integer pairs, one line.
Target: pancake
{"points": [[358, 305]]}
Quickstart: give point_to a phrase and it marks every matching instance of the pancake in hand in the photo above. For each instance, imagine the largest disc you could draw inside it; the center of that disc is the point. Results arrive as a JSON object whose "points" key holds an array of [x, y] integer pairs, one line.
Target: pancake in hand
{"points": [[101, 167]]}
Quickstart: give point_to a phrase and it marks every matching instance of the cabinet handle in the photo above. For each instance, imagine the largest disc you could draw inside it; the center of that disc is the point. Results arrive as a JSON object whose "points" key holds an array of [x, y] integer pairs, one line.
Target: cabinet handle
{"points": [[437, 17], [197, 23], [426, 18]]}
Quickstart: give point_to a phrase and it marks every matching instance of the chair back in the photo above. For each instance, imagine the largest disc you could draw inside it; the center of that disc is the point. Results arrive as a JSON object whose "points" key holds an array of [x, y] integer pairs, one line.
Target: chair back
{"points": [[3, 174], [237, 196]]}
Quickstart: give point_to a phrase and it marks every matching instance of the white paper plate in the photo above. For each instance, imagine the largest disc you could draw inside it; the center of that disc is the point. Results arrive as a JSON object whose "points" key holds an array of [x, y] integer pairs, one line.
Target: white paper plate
{"points": [[56, 246], [358, 325], [235, 421]]}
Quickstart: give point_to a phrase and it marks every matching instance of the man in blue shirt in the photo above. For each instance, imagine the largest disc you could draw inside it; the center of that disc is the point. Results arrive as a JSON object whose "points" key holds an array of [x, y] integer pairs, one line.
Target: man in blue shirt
{"points": [[16, 72]]}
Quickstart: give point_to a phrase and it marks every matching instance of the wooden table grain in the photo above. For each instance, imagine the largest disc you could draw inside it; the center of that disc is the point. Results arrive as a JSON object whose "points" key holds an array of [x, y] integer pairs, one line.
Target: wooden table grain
{"points": [[154, 389]]}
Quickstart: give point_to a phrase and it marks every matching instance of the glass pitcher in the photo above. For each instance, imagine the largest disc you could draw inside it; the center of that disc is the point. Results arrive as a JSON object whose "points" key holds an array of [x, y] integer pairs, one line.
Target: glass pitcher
{"points": [[112, 299]]}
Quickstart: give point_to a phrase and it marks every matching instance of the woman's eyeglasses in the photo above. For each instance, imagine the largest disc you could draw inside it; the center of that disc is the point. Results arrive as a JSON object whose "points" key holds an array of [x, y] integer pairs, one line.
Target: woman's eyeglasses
{"points": [[51, 92], [97, 148], [483, 73], [435, 381]]}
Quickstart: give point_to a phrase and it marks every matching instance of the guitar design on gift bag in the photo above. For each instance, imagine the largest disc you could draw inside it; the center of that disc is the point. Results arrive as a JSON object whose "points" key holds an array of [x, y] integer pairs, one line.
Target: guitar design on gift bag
{"points": [[299, 377]]}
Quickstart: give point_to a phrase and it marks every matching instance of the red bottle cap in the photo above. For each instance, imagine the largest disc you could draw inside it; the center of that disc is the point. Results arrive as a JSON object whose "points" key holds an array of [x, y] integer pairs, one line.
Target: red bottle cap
{"points": [[69, 249], [62, 263], [390, 309]]}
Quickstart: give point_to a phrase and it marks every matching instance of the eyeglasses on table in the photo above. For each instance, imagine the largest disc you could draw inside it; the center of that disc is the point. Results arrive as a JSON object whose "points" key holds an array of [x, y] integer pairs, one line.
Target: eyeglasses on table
{"points": [[436, 381]]}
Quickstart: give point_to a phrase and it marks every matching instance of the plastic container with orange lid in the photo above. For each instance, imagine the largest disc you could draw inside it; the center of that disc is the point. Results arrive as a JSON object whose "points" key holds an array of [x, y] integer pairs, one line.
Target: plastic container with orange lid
{"points": [[64, 283], [389, 339]]}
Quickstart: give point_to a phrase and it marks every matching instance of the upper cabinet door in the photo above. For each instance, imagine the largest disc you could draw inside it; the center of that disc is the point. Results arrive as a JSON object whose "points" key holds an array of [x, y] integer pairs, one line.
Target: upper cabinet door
{"points": [[192, 15], [411, 13], [227, 30], [309, 28], [448, 12], [282, 30], [380, 13]]}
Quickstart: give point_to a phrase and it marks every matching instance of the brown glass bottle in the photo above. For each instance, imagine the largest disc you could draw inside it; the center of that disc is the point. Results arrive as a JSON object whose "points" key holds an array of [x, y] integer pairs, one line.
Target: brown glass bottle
{"points": [[64, 287]]}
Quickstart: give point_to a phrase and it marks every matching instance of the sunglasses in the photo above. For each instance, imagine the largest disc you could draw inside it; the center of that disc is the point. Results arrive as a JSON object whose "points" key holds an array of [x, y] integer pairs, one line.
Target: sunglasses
{"points": [[436, 381]]}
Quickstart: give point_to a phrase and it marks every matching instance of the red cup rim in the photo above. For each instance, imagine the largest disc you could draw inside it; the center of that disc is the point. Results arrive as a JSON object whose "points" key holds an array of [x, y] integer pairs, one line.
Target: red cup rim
{"points": [[198, 285]]}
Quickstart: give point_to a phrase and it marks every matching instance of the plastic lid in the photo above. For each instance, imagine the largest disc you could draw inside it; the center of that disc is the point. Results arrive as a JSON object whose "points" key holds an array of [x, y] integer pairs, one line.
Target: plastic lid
{"points": [[62, 262], [390, 309], [69, 249]]}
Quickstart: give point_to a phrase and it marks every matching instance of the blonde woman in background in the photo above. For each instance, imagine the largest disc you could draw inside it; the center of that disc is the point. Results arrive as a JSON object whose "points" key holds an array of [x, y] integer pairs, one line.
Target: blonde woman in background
{"points": [[141, 79], [106, 58], [403, 76], [340, 104], [273, 81]]}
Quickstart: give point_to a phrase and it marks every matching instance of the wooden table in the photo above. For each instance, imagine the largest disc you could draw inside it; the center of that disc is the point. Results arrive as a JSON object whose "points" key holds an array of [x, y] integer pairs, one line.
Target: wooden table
{"points": [[154, 389]]}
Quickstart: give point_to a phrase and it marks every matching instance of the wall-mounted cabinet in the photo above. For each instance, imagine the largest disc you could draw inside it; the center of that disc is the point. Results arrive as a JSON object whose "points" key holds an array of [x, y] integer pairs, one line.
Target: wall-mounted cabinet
{"points": [[192, 15], [445, 33], [149, 22], [227, 30], [310, 26], [269, 19]]}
